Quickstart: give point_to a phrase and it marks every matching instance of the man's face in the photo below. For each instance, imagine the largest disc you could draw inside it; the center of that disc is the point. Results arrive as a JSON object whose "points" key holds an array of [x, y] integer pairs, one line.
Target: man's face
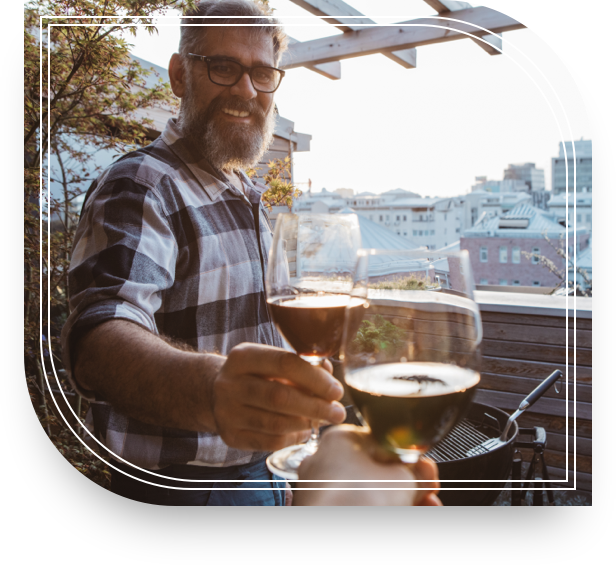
{"points": [[208, 116]]}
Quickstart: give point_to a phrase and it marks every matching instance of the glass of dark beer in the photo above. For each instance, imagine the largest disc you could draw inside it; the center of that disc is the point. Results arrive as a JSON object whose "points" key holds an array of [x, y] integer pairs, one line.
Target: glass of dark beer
{"points": [[411, 352], [309, 282]]}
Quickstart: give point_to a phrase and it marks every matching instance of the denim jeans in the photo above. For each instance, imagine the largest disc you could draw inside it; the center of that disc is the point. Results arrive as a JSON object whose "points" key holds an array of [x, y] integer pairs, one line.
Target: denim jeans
{"points": [[208, 477]]}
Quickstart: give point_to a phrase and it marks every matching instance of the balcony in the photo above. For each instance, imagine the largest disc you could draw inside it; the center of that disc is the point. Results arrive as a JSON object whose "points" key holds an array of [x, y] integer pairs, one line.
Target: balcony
{"points": [[526, 337]]}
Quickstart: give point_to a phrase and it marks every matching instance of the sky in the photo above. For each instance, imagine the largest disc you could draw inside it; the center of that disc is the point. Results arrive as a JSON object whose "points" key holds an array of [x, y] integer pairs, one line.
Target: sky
{"points": [[460, 114]]}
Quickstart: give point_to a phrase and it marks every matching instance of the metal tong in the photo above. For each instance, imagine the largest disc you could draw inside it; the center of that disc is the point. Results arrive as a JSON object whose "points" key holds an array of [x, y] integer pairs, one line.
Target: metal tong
{"points": [[494, 443]]}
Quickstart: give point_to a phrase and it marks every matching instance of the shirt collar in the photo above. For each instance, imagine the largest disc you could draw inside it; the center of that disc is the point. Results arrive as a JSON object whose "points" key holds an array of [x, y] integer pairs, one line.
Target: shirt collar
{"points": [[208, 177]]}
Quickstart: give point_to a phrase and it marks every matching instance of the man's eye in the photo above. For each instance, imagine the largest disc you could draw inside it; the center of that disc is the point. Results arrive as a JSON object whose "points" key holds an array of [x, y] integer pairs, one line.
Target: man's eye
{"points": [[222, 68], [263, 75]]}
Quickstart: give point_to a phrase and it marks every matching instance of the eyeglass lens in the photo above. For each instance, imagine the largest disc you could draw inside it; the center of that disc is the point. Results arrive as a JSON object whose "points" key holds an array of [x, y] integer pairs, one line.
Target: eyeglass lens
{"points": [[226, 73]]}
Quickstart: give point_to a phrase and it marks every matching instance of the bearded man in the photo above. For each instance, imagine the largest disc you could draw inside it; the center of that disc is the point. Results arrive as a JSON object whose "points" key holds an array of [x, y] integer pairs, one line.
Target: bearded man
{"points": [[169, 335]]}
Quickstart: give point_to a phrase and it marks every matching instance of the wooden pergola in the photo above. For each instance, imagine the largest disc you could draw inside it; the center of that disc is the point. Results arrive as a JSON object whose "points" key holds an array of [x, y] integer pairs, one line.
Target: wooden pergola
{"points": [[362, 36]]}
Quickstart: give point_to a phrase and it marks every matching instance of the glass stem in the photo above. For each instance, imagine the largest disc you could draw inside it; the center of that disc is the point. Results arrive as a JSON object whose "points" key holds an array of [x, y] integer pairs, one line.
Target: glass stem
{"points": [[312, 444]]}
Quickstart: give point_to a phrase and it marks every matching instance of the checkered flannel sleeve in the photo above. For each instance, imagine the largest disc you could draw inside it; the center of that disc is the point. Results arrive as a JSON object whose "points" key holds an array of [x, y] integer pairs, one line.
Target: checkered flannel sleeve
{"points": [[124, 257]]}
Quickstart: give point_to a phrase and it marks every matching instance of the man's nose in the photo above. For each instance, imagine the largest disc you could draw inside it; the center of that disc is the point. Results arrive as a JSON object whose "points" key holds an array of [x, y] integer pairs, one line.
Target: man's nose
{"points": [[244, 88]]}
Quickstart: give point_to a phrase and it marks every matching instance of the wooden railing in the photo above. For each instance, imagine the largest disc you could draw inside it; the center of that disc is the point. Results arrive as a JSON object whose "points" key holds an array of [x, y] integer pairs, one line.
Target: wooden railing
{"points": [[527, 337]]}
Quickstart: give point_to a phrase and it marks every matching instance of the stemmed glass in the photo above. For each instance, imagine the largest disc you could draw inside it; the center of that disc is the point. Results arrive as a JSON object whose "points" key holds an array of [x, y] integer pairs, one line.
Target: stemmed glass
{"points": [[411, 353], [308, 282]]}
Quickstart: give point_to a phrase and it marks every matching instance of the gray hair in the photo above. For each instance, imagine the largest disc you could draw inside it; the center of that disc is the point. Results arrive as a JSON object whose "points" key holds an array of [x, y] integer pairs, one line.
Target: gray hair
{"points": [[192, 36]]}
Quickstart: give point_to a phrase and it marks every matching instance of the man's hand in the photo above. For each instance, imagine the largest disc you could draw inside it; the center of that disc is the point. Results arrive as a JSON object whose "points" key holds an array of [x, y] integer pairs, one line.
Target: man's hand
{"points": [[263, 398], [349, 453]]}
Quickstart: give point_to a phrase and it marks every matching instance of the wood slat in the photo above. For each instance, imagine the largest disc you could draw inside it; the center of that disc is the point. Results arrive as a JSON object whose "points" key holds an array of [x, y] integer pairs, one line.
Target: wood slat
{"points": [[556, 424], [532, 369], [405, 312], [527, 320], [537, 334], [558, 459], [536, 352], [558, 442], [509, 402], [583, 480], [526, 386]]}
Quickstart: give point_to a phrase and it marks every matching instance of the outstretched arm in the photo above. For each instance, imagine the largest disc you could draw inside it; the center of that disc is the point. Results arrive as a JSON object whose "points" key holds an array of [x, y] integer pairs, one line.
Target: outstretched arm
{"points": [[258, 398]]}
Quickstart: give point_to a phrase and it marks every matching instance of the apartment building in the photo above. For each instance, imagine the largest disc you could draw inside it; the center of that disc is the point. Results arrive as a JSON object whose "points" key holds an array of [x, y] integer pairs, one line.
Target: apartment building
{"points": [[497, 247]]}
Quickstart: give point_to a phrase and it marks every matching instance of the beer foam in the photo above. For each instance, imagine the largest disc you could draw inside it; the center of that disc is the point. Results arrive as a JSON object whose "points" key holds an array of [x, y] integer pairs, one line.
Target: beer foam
{"points": [[412, 379]]}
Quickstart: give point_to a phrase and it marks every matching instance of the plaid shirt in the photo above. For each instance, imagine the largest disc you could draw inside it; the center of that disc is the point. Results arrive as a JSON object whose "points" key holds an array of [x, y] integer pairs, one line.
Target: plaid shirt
{"points": [[165, 243]]}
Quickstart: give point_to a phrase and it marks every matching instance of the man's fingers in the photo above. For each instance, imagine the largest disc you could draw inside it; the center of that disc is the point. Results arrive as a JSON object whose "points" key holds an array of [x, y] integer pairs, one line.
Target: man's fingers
{"points": [[276, 397], [255, 441], [272, 362], [266, 422]]}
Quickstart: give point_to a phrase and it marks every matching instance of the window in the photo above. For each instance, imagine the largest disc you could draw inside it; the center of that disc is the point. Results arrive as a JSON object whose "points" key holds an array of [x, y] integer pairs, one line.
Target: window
{"points": [[404, 234], [503, 282], [432, 232], [579, 217], [516, 283], [483, 254], [445, 218], [589, 217], [387, 217], [483, 281], [397, 218], [502, 254], [398, 232], [515, 254], [536, 283], [457, 230], [404, 218], [414, 232], [420, 232], [380, 218], [535, 260]]}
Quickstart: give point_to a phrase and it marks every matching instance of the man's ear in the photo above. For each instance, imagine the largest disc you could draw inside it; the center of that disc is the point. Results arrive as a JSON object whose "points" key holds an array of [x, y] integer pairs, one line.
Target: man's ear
{"points": [[177, 76]]}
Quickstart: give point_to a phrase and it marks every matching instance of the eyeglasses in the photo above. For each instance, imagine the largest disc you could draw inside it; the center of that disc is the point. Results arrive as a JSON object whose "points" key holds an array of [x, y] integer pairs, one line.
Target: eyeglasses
{"points": [[225, 72]]}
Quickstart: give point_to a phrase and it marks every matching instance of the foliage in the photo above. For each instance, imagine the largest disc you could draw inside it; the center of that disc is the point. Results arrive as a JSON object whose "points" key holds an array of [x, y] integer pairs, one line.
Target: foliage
{"points": [[376, 336], [404, 283], [562, 273], [278, 179], [93, 98]]}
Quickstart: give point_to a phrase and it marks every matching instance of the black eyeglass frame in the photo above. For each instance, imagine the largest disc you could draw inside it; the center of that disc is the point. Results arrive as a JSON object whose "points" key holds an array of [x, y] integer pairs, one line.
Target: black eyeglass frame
{"points": [[245, 70]]}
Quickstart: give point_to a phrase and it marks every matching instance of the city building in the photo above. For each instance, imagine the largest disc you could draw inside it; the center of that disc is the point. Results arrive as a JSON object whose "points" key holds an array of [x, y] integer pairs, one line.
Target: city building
{"points": [[427, 222], [574, 162], [498, 246], [579, 209], [533, 178], [480, 205], [498, 186]]}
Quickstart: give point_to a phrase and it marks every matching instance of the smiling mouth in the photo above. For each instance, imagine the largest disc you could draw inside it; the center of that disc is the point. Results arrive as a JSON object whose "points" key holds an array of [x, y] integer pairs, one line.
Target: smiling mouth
{"points": [[236, 113]]}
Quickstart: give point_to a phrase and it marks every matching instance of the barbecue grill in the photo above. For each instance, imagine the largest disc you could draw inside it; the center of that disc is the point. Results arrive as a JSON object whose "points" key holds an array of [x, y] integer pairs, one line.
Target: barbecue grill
{"points": [[467, 453]]}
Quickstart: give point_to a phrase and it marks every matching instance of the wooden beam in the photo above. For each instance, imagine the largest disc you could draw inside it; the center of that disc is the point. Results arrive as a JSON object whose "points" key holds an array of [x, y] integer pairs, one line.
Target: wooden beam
{"points": [[494, 45], [442, 6], [331, 70], [337, 9], [491, 44], [334, 12], [407, 58], [406, 35]]}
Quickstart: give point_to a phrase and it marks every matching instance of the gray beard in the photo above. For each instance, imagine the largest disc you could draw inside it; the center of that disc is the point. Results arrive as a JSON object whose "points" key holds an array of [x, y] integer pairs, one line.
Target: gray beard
{"points": [[227, 146]]}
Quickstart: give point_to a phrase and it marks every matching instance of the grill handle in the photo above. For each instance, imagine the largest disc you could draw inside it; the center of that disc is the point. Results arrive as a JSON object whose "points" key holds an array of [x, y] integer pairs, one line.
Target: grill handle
{"points": [[538, 392], [530, 400]]}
